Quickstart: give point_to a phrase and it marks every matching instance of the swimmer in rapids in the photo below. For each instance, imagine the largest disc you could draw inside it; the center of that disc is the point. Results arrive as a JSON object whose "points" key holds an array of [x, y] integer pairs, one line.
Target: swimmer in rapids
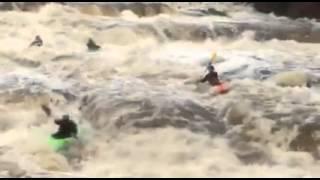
{"points": [[92, 46], [37, 42], [67, 128]]}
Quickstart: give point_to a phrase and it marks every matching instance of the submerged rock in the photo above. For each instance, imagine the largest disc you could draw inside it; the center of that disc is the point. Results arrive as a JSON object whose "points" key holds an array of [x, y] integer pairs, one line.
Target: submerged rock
{"points": [[290, 9]]}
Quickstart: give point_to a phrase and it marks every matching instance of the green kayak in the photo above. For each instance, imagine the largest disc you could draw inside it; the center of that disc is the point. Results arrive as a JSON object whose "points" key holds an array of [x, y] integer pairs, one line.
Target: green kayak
{"points": [[59, 144]]}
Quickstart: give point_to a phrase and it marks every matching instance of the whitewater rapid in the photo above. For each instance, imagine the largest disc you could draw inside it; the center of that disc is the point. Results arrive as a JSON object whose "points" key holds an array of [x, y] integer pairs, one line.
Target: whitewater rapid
{"points": [[137, 101]]}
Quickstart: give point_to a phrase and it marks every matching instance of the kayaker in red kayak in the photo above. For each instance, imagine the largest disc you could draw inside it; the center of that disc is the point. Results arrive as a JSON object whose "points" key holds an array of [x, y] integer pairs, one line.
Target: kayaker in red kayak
{"points": [[211, 77]]}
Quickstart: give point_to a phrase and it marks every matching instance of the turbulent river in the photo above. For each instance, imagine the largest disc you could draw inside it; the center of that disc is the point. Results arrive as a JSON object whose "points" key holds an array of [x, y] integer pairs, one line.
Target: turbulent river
{"points": [[137, 103]]}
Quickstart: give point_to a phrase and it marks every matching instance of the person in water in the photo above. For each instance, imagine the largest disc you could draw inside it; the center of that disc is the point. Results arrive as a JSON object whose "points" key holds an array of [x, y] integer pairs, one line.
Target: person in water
{"points": [[37, 42], [67, 128], [211, 77], [92, 46]]}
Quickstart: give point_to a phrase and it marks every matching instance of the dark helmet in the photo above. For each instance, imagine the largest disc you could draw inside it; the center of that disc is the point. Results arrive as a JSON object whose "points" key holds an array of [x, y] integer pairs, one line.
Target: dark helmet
{"points": [[66, 117], [210, 67], [90, 40]]}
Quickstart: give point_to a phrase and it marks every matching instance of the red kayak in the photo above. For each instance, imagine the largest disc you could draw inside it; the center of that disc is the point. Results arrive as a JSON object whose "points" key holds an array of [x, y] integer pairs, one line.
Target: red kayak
{"points": [[222, 88]]}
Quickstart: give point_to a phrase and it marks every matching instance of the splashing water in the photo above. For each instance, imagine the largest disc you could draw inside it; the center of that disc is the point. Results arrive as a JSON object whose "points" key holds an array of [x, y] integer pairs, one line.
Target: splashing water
{"points": [[135, 99]]}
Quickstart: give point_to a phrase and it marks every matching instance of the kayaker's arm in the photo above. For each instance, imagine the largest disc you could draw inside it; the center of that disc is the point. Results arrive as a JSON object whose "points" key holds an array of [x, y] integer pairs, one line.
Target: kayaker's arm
{"points": [[204, 79], [57, 121]]}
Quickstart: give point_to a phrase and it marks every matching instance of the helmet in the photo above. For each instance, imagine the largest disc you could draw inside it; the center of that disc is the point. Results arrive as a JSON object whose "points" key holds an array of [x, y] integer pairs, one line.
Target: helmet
{"points": [[210, 67], [65, 117]]}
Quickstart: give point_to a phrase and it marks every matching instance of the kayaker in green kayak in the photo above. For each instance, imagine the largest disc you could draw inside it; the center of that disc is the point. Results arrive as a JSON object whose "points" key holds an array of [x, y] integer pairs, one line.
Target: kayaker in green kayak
{"points": [[67, 128], [66, 134]]}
